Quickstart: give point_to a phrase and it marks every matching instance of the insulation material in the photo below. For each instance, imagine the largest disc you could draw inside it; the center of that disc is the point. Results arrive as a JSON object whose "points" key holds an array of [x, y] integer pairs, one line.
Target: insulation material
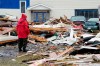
{"points": [[61, 25]]}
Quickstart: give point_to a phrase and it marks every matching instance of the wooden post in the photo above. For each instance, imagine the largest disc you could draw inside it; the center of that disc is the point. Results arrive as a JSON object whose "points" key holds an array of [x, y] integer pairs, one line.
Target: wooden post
{"points": [[99, 16]]}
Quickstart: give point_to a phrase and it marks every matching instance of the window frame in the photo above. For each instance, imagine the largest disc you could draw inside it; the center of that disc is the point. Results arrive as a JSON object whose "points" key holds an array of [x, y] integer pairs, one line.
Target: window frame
{"points": [[78, 12], [35, 15], [20, 6]]}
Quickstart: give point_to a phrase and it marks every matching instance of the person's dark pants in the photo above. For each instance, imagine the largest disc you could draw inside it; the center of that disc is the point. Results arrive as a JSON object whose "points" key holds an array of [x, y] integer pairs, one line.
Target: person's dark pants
{"points": [[22, 43]]}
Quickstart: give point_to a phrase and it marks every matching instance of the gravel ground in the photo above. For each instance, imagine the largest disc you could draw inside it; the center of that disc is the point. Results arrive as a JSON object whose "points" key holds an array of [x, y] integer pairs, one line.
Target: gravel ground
{"points": [[9, 53]]}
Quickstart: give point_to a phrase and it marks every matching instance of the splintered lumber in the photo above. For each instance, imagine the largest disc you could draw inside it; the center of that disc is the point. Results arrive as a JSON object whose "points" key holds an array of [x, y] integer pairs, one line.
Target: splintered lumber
{"points": [[2, 42], [31, 41], [5, 24], [38, 38], [48, 29], [6, 39], [38, 62], [6, 18], [0, 28], [96, 57], [66, 51], [5, 30]]}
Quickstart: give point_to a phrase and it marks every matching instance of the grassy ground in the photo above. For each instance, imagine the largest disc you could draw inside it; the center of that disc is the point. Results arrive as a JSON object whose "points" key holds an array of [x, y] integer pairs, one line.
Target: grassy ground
{"points": [[9, 62]]}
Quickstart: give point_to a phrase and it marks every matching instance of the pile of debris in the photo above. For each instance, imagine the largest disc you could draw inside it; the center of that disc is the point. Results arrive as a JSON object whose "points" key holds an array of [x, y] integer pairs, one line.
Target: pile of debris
{"points": [[56, 42], [7, 29]]}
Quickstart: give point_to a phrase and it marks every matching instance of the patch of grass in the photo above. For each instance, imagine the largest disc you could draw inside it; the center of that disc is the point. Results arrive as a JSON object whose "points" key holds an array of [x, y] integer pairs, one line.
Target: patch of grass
{"points": [[8, 62], [30, 57]]}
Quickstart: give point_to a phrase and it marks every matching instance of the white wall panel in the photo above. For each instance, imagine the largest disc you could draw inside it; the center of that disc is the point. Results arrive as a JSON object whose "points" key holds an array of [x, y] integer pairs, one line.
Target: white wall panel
{"points": [[15, 12], [61, 7]]}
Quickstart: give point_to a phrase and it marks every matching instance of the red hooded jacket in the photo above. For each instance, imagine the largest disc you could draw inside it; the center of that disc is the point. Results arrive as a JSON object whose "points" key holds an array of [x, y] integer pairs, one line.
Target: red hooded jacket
{"points": [[22, 27]]}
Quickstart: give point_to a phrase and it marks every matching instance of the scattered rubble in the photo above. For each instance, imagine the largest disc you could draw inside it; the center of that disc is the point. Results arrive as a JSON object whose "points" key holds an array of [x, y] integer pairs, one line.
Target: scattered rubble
{"points": [[53, 43]]}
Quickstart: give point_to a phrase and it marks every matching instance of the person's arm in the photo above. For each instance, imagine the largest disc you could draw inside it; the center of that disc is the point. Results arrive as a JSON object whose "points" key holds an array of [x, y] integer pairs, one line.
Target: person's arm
{"points": [[27, 28]]}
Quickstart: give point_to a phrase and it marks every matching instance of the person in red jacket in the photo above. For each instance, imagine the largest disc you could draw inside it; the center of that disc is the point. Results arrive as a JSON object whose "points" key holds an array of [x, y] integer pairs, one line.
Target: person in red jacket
{"points": [[22, 32]]}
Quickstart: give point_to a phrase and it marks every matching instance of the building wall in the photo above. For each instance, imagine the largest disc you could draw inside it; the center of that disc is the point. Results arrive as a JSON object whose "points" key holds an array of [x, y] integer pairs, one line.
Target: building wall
{"points": [[66, 7], [15, 12], [9, 4], [12, 7], [58, 7]]}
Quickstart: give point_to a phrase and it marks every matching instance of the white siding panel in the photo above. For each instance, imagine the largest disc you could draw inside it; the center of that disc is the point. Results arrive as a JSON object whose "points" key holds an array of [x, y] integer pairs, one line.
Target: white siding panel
{"points": [[15, 12], [61, 12], [66, 7]]}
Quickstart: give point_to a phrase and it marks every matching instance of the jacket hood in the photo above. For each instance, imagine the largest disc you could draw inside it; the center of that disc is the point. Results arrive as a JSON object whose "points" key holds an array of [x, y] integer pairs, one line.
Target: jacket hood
{"points": [[22, 19], [23, 16]]}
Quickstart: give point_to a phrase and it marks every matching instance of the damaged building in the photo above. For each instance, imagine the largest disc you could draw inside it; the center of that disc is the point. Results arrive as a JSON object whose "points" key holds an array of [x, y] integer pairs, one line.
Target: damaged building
{"points": [[42, 10]]}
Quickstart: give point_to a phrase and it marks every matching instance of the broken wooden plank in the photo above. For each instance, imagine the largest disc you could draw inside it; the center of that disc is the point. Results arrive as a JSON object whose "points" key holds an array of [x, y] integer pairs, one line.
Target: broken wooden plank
{"points": [[33, 42], [38, 38], [6, 30], [5, 24], [66, 51], [5, 39], [96, 57], [47, 29], [38, 62], [4, 19], [2, 42]]}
